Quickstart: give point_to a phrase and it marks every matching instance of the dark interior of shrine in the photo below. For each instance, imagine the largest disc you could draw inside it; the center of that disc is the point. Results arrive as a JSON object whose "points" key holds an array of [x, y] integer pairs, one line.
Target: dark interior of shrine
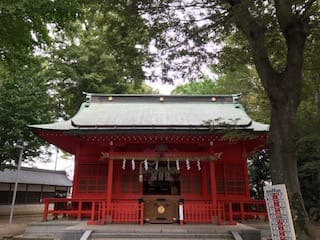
{"points": [[161, 179]]}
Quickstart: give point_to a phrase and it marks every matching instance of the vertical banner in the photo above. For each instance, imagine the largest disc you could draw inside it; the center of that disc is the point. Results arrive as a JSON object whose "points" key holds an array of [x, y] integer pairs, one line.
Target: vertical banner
{"points": [[279, 213]]}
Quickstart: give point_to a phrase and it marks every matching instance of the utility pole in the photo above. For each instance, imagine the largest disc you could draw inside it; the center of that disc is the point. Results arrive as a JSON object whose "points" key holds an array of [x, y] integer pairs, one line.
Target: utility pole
{"points": [[21, 147], [56, 162]]}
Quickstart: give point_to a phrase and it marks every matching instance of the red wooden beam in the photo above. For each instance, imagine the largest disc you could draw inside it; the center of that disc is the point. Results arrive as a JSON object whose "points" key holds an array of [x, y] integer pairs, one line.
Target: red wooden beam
{"points": [[191, 156]]}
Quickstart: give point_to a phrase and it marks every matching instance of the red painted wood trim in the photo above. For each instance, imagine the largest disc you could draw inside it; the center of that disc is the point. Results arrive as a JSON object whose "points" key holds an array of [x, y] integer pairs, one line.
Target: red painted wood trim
{"points": [[245, 170], [213, 186], [109, 185]]}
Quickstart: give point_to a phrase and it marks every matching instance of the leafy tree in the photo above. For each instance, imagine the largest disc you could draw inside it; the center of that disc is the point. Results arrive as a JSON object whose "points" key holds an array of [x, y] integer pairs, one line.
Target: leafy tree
{"points": [[84, 53], [93, 57], [243, 79], [24, 100], [23, 25], [259, 168], [277, 33]]}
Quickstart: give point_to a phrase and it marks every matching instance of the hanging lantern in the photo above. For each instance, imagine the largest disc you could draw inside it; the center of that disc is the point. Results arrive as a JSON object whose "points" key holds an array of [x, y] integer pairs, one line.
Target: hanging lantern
{"points": [[198, 165], [133, 164]]}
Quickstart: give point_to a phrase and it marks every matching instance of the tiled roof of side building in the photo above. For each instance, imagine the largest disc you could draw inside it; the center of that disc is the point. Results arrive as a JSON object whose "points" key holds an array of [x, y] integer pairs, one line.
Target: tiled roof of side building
{"points": [[157, 112], [36, 176]]}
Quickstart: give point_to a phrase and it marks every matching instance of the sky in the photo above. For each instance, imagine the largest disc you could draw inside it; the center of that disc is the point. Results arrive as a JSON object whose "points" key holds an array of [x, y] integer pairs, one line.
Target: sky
{"points": [[161, 87], [166, 88]]}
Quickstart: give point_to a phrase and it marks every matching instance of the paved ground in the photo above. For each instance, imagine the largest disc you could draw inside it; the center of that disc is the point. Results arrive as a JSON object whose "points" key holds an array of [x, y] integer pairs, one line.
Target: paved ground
{"points": [[20, 222]]}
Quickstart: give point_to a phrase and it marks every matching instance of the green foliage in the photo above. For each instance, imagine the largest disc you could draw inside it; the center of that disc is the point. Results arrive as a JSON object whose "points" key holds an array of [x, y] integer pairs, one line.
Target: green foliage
{"points": [[242, 79], [102, 53], [259, 173], [24, 100], [227, 130], [89, 46], [309, 157], [23, 24]]}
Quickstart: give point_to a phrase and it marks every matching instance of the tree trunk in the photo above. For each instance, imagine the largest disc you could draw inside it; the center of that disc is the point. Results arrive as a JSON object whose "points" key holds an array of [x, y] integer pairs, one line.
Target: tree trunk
{"points": [[283, 88], [283, 164]]}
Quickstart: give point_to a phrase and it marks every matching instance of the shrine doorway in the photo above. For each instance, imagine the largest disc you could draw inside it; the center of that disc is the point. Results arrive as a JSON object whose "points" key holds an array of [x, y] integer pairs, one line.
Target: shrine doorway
{"points": [[161, 191], [162, 179]]}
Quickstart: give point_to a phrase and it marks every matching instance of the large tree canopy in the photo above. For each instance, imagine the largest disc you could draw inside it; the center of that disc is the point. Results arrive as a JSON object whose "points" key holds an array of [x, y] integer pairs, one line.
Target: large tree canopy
{"points": [[24, 99], [277, 34], [101, 52], [24, 24], [52, 51]]}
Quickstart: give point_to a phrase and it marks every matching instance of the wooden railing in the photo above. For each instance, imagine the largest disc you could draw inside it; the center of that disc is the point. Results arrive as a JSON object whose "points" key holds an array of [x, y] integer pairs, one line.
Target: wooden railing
{"points": [[243, 210], [198, 212], [226, 212], [96, 210], [126, 212], [132, 211]]}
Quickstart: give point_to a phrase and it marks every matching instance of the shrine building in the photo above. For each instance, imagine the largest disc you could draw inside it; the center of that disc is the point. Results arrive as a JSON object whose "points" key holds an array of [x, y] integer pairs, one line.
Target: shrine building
{"points": [[158, 159]]}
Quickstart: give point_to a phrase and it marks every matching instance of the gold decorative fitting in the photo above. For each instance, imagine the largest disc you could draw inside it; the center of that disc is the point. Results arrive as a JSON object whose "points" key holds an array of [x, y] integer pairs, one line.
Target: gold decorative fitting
{"points": [[213, 99], [110, 98], [161, 99], [161, 209]]}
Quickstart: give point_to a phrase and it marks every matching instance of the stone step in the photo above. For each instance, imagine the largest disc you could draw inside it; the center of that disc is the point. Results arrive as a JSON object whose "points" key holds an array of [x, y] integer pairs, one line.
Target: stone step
{"points": [[223, 238], [158, 235]]}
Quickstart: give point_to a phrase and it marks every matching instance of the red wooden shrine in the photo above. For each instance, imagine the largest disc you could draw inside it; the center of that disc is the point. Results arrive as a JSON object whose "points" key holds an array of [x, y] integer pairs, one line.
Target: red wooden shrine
{"points": [[150, 158]]}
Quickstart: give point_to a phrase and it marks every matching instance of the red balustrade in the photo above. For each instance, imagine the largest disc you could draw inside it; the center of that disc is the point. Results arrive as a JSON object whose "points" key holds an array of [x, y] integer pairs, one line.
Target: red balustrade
{"points": [[131, 211], [96, 210], [226, 212], [198, 212], [125, 212]]}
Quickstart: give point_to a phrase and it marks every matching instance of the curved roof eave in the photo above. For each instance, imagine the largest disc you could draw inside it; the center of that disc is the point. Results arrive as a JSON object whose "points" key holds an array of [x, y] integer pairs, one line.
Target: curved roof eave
{"points": [[103, 112]]}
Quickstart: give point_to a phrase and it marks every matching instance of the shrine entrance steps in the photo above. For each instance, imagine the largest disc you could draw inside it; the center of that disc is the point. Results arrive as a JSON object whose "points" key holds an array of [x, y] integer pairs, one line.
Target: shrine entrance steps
{"points": [[163, 232], [66, 230]]}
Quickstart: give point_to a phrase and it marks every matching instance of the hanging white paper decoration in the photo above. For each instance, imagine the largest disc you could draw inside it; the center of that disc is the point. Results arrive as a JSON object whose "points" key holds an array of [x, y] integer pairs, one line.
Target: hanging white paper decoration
{"points": [[146, 164], [157, 165], [177, 165], [198, 165], [124, 164], [188, 164], [133, 164]]}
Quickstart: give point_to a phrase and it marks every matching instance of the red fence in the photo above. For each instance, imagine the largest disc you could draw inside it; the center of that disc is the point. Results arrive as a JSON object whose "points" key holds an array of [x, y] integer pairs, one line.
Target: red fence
{"points": [[126, 212], [226, 212], [198, 212], [96, 210]]}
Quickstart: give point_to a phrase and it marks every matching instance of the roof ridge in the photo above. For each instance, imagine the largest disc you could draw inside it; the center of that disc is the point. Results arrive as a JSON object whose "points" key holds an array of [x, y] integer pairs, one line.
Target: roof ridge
{"points": [[219, 98]]}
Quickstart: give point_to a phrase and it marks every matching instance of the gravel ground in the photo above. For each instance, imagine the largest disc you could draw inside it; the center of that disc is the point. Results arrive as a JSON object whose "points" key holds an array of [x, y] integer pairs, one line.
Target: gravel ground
{"points": [[18, 225]]}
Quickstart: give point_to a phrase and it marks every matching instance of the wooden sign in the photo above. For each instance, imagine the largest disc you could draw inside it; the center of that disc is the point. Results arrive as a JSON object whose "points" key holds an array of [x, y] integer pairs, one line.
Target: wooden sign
{"points": [[279, 213]]}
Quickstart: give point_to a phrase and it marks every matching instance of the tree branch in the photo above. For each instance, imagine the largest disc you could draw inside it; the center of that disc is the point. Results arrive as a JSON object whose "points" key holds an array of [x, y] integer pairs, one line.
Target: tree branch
{"points": [[295, 30], [255, 34]]}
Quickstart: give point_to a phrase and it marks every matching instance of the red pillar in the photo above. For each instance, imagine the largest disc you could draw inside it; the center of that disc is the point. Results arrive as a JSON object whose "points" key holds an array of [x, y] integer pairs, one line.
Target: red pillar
{"points": [[213, 186], [76, 171], [109, 186], [245, 171]]}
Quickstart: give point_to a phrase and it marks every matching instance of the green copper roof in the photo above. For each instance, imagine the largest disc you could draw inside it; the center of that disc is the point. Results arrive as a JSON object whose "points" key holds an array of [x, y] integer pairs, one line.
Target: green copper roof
{"points": [[103, 111]]}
